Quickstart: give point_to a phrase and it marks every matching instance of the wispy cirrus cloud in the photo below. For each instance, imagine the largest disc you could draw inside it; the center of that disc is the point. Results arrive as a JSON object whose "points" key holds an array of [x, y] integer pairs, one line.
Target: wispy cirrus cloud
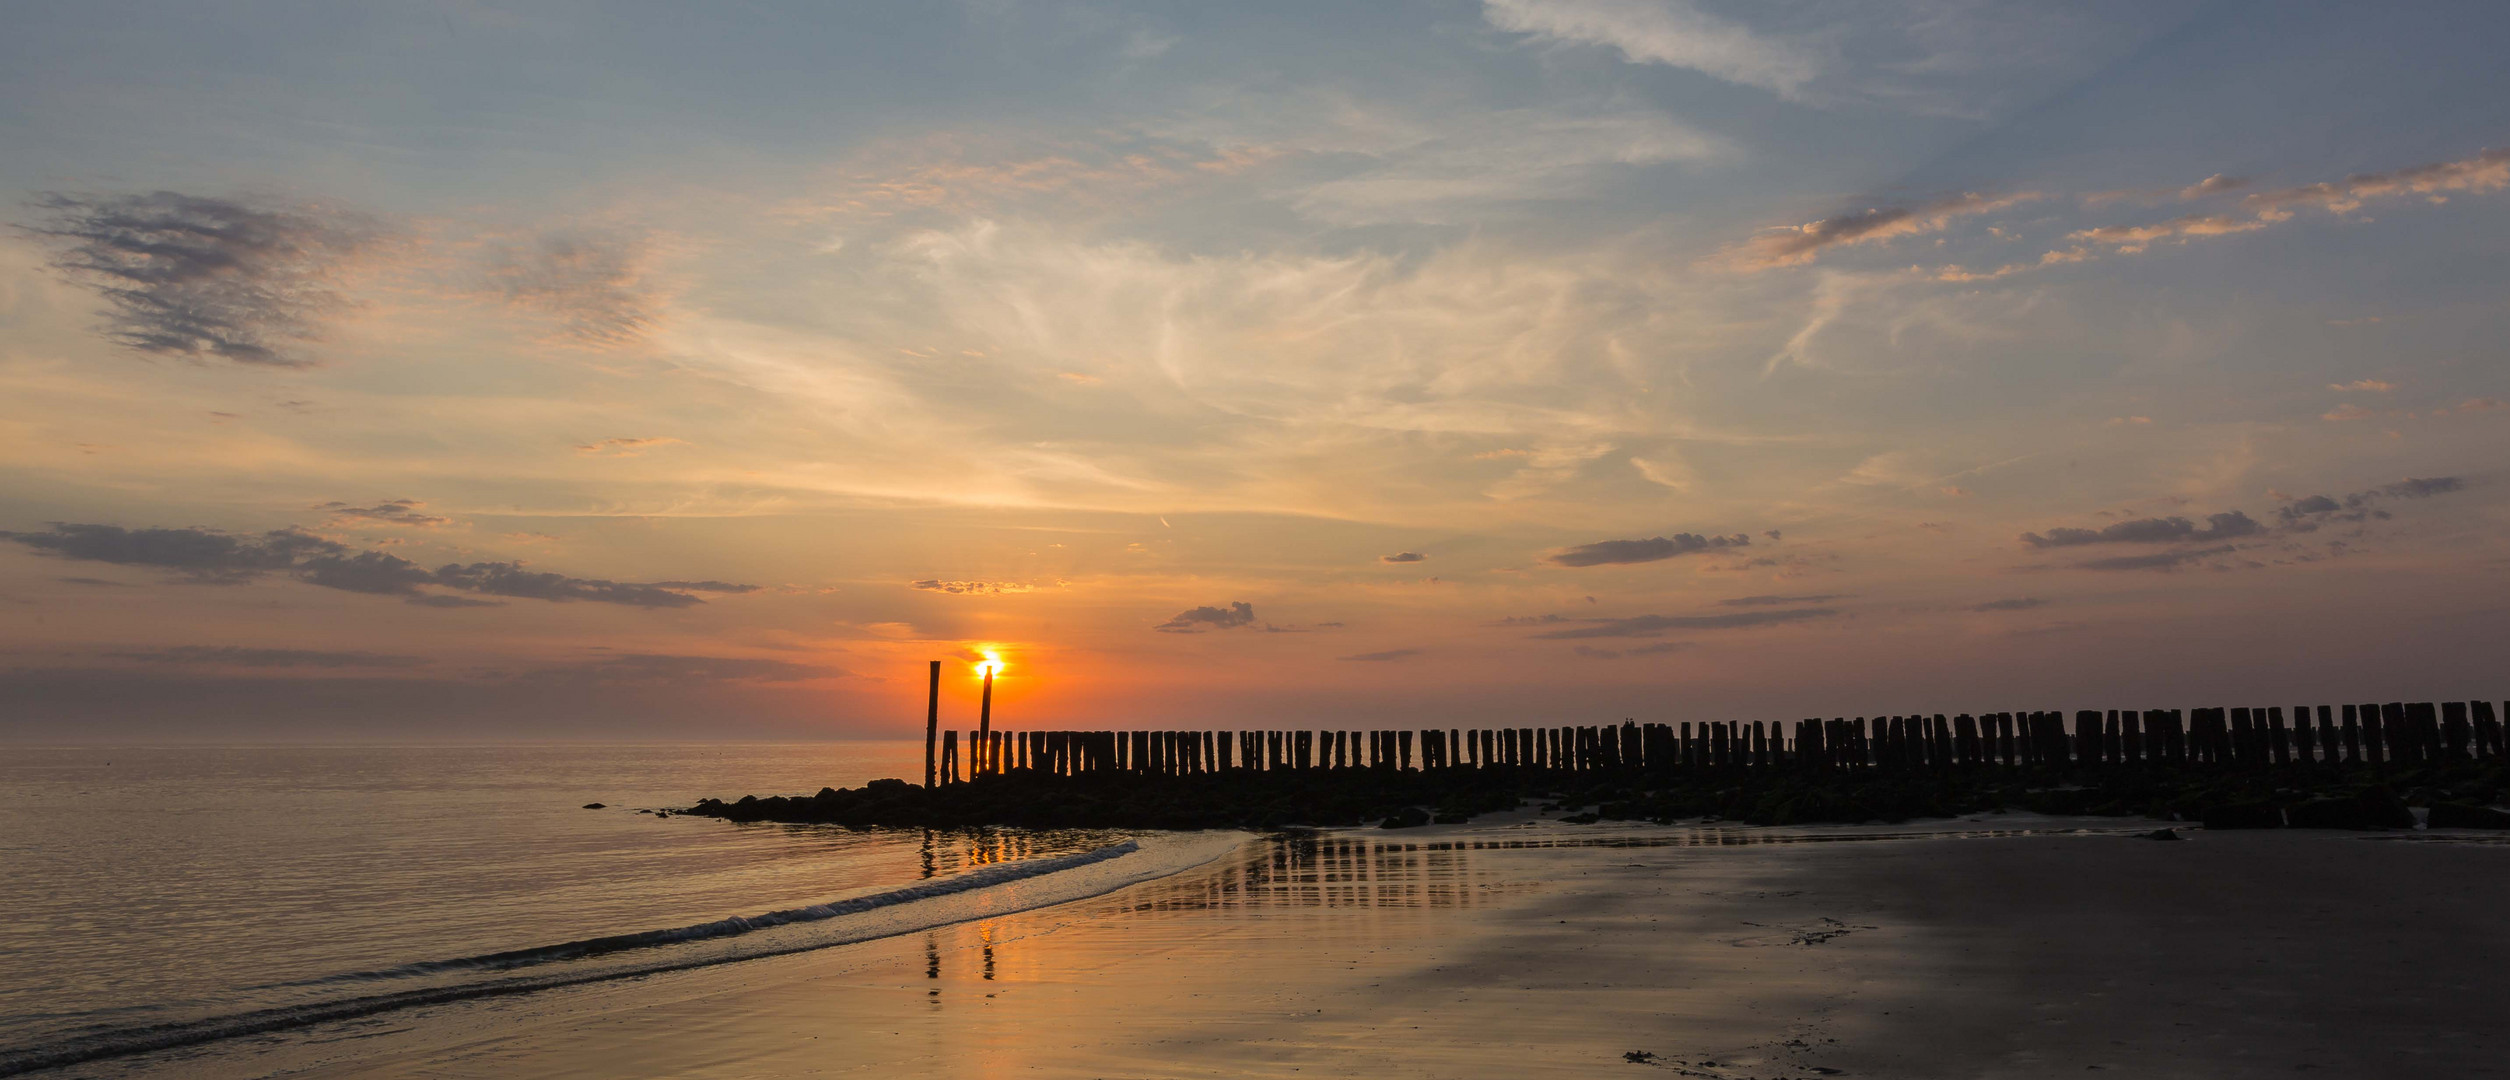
{"points": [[1387, 655], [2132, 239], [1796, 245], [1780, 601], [2485, 172], [674, 668], [593, 284], [1672, 32], [1971, 61], [959, 174], [205, 278], [626, 446], [2019, 603], [249, 657]]}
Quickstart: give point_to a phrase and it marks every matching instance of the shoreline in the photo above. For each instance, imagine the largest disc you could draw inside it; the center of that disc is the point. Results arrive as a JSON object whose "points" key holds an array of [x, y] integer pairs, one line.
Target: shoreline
{"points": [[2011, 946]]}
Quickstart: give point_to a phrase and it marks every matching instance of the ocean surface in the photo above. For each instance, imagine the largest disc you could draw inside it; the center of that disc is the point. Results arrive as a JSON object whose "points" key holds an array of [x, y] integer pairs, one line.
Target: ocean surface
{"points": [[181, 895]]}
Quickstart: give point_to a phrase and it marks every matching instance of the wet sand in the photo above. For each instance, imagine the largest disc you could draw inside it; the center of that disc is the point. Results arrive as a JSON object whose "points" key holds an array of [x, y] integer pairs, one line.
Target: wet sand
{"points": [[1552, 950]]}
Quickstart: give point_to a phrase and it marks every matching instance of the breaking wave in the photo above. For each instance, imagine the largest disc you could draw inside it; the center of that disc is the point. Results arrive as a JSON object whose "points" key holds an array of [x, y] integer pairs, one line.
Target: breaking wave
{"points": [[1000, 889]]}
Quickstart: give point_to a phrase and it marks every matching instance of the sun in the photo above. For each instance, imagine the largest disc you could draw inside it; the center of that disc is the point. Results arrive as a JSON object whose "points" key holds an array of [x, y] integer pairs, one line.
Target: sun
{"points": [[990, 665]]}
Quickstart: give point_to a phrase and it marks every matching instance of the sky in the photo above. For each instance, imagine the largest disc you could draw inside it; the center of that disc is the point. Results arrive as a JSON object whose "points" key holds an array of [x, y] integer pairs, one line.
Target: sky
{"points": [[658, 371]]}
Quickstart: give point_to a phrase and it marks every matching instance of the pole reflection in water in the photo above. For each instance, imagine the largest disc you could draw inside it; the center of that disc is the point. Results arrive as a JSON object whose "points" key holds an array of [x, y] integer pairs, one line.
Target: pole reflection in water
{"points": [[932, 966], [1346, 891]]}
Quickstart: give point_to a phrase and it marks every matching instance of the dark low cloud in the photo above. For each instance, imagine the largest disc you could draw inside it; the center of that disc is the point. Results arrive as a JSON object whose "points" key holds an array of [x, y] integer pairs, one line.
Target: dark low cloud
{"points": [[1658, 649], [2307, 514], [2411, 488], [92, 582], [447, 600], [971, 588], [1652, 625], [2019, 603], [1403, 557], [2166, 560], [1297, 628], [409, 512], [2168, 530], [210, 556], [1781, 601], [1390, 654], [1237, 614], [707, 586], [1652, 549], [511, 579], [203, 278], [372, 572], [204, 555], [242, 656]]}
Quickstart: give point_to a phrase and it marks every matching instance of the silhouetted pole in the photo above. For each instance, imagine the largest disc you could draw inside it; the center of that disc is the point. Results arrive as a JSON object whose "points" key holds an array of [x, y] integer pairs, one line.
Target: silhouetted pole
{"points": [[932, 721], [985, 726]]}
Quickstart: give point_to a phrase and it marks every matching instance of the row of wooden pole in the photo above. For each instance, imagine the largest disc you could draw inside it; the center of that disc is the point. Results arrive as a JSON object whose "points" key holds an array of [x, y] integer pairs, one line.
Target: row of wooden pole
{"points": [[2399, 732]]}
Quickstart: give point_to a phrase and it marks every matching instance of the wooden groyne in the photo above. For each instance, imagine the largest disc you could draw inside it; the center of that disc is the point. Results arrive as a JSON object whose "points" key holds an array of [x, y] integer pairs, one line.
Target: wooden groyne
{"points": [[2337, 766], [2405, 733]]}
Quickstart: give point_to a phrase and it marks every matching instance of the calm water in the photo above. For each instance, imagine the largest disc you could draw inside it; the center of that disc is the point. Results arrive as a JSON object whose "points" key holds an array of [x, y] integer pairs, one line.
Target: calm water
{"points": [[188, 884]]}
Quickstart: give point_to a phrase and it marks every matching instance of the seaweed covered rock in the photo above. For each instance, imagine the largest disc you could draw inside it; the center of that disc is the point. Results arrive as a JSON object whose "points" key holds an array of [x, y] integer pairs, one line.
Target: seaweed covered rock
{"points": [[1409, 817]]}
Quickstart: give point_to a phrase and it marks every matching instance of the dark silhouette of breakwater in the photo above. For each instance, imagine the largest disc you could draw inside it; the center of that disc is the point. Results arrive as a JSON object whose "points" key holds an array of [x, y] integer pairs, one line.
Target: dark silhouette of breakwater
{"points": [[2350, 766]]}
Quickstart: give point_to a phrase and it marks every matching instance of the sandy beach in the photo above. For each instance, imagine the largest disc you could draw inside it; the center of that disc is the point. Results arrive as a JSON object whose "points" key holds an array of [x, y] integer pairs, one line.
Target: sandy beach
{"points": [[2009, 946]]}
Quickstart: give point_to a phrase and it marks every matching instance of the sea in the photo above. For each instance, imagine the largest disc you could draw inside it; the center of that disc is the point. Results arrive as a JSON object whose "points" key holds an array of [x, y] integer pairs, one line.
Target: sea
{"points": [[154, 897]]}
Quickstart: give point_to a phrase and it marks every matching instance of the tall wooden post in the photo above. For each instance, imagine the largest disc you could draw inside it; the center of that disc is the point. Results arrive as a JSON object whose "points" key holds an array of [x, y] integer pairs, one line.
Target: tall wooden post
{"points": [[984, 728], [932, 722]]}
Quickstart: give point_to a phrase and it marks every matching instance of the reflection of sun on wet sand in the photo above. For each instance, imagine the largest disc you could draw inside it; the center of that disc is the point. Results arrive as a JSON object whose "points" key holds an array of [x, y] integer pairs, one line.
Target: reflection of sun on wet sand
{"points": [[2008, 946]]}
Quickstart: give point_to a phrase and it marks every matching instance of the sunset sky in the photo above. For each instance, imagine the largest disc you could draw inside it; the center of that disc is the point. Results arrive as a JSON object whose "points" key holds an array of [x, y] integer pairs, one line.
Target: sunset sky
{"points": [[675, 371]]}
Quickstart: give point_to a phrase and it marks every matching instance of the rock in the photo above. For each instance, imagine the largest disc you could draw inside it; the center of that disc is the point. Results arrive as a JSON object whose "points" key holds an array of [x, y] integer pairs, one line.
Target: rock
{"points": [[1410, 817], [887, 784], [592, 806], [2460, 815], [2160, 834]]}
